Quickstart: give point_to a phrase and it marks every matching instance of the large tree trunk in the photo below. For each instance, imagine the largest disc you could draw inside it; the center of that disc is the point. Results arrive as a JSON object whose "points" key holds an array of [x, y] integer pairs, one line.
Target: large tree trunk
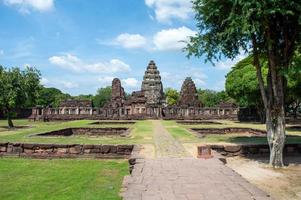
{"points": [[275, 125], [273, 98]]}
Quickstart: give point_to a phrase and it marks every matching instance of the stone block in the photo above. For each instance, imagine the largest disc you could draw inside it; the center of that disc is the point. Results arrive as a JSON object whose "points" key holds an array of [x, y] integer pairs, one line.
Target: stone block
{"points": [[10, 148], [204, 151], [77, 149], [96, 150], [28, 146], [61, 150], [3, 148], [105, 148], [113, 149], [124, 149], [232, 148], [28, 151]]}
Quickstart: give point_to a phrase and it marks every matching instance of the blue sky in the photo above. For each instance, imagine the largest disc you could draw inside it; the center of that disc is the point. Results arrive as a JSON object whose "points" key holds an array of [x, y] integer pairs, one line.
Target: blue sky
{"points": [[80, 45]]}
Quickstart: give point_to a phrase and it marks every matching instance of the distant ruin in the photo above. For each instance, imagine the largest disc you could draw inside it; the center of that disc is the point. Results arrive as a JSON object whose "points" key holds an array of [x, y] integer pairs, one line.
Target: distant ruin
{"points": [[148, 103]]}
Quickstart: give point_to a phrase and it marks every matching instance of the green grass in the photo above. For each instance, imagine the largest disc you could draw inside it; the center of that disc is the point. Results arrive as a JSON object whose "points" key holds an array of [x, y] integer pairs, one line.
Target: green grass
{"points": [[61, 178], [182, 133], [141, 133]]}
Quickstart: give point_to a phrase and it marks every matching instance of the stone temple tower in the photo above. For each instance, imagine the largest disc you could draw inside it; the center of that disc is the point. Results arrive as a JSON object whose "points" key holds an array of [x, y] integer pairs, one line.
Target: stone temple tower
{"points": [[152, 85], [189, 94]]}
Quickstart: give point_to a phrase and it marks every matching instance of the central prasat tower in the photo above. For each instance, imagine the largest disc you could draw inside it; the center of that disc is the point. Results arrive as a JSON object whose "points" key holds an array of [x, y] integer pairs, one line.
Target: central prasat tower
{"points": [[152, 85]]}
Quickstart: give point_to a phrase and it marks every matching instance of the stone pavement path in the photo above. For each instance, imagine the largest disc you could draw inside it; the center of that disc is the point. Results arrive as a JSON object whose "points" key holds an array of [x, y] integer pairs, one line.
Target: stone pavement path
{"points": [[166, 145], [175, 176]]}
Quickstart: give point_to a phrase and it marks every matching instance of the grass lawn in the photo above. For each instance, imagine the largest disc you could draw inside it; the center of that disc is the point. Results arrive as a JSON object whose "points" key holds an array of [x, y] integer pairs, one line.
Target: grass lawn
{"points": [[61, 178], [141, 133], [181, 133]]}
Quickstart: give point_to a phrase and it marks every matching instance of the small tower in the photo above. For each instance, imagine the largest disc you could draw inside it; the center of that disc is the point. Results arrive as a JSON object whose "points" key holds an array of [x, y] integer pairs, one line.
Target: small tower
{"points": [[118, 95], [189, 94]]}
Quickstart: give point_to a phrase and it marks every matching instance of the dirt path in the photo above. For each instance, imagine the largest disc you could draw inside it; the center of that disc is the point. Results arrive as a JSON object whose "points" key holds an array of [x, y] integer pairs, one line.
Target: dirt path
{"points": [[174, 175]]}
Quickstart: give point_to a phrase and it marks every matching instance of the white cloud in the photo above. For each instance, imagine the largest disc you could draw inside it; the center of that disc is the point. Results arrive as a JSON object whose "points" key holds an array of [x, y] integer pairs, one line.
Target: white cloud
{"points": [[130, 82], [24, 6], [68, 85], [44, 81], [106, 80], [172, 39], [228, 63], [1, 52], [175, 80], [130, 41], [58, 83], [166, 10], [75, 64]]}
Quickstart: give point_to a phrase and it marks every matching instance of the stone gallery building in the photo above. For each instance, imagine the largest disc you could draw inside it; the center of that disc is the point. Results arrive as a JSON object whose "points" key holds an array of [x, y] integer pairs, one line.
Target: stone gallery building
{"points": [[148, 103]]}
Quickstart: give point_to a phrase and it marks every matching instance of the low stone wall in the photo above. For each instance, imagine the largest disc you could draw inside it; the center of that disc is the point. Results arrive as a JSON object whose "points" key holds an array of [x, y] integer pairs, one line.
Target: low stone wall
{"points": [[196, 122], [202, 117], [87, 131], [65, 150], [65, 117], [230, 130], [112, 122], [253, 149]]}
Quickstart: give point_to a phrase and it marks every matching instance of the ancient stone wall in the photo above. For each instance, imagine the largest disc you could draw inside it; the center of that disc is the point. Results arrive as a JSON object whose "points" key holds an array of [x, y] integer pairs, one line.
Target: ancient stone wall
{"points": [[254, 149], [88, 131], [65, 150]]}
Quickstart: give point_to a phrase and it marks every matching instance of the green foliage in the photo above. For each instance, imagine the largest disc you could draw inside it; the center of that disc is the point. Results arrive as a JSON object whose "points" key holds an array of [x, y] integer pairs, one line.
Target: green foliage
{"points": [[18, 89], [225, 28], [172, 96], [242, 84], [49, 96], [210, 98], [102, 96]]}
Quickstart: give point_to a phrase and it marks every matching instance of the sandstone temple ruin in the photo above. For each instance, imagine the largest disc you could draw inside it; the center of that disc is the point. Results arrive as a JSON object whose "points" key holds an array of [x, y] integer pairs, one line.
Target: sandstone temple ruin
{"points": [[148, 103]]}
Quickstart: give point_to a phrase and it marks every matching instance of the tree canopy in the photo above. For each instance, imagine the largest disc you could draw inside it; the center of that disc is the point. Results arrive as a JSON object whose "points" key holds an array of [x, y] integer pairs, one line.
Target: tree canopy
{"points": [[172, 96], [267, 28], [18, 89], [211, 98], [103, 95]]}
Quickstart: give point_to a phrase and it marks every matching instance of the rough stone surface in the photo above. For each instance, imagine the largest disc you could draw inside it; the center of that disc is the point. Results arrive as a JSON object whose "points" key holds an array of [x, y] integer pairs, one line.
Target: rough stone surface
{"points": [[88, 131], [118, 95], [173, 175], [66, 151], [148, 103], [152, 85], [189, 94], [187, 179]]}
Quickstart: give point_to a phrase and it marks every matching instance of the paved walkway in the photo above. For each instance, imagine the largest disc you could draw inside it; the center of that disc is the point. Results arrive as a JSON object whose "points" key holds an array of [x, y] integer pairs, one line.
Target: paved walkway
{"points": [[174, 175], [166, 145]]}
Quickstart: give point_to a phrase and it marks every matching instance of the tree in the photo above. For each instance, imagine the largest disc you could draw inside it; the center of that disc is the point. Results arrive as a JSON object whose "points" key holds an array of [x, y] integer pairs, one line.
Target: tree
{"points": [[102, 96], [18, 89], [211, 98], [242, 85], [267, 28], [47, 96], [172, 96]]}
